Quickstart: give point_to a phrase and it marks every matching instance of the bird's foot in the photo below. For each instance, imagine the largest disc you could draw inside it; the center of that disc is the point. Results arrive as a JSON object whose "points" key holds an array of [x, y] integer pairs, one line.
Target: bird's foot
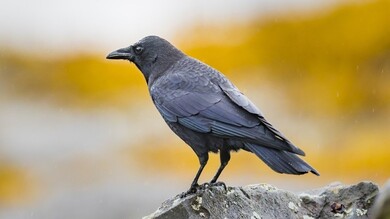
{"points": [[204, 186], [196, 187], [193, 189], [212, 184]]}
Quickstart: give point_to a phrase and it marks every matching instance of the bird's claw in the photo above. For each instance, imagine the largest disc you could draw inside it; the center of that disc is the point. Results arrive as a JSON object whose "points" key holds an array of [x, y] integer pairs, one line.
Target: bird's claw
{"points": [[205, 186], [196, 187], [212, 184], [193, 189]]}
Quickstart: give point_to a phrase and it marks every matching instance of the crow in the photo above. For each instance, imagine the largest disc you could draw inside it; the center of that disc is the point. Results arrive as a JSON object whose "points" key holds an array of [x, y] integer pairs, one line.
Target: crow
{"points": [[207, 111]]}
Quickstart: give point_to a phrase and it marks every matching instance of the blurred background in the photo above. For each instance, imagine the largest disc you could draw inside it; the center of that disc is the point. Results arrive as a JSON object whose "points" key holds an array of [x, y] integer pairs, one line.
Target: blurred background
{"points": [[80, 137]]}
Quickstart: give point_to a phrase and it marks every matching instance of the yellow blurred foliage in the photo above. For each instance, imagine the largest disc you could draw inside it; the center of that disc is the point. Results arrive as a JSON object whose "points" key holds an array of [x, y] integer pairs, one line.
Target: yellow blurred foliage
{"points": [[338, 60], [361, 158], [14, 185], [333, 67], [80, 80]]}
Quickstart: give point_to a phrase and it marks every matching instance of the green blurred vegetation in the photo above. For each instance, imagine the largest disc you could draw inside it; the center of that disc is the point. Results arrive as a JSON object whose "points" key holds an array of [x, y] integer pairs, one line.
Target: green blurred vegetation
{"points": [[333, 67]]}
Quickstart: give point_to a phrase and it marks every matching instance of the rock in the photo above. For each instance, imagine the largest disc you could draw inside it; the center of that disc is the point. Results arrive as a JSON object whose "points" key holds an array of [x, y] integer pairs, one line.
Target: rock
{"points": [[264, 201], [381, 209]]}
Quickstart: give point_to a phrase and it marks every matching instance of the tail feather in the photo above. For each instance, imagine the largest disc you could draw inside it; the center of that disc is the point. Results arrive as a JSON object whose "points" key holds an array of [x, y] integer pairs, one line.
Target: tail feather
{"points": [[281, 161]]}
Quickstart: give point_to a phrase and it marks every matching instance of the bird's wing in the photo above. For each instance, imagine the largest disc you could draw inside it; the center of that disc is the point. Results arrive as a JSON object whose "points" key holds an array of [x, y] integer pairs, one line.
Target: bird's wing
{"points": [[238, 97], [241, 100], [200, 104], [180, 98]]}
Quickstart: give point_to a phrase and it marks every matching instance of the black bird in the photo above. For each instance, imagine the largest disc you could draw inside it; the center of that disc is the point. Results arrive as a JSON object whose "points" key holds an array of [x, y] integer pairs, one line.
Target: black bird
{"points": [[207, 111]]}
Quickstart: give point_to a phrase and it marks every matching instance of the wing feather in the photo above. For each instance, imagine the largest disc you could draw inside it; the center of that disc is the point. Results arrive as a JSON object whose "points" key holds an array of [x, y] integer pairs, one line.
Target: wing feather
{"points": [[213, 105]]}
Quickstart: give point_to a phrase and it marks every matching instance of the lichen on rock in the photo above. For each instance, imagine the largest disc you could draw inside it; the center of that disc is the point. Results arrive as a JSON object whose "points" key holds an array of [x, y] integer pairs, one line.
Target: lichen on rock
{"points": [[266, 201]]}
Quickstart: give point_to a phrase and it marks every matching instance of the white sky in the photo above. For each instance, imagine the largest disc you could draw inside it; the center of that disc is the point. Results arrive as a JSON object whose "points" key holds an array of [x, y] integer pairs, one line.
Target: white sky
{"points": [[84, 24]]}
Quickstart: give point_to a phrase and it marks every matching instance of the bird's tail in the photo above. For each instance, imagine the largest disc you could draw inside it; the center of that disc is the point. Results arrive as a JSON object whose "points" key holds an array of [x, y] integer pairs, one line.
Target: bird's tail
{"points": [[281, 161]]}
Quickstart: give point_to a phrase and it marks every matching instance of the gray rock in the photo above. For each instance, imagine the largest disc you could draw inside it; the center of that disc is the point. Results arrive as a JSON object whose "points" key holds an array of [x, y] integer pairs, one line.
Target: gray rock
{"points": [[381, 210], [264, 201]]}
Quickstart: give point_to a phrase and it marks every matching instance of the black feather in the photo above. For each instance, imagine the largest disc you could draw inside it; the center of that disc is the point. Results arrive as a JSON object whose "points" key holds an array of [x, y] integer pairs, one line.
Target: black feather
{"points": [[281, 161], [206, 110]]}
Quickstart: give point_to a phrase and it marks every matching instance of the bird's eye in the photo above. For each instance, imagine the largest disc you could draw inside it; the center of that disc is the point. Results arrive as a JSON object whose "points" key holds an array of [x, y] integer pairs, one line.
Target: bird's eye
{"points": [[138, 50]]}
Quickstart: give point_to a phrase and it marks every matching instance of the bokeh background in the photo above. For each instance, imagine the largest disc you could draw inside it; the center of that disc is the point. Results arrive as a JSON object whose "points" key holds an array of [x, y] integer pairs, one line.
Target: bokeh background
{"points": [[80, 138]]}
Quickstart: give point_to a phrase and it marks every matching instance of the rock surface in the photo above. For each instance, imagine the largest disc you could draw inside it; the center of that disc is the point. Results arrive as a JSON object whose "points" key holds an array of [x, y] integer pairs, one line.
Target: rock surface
{"points": [[265, 201], [381, 210]]}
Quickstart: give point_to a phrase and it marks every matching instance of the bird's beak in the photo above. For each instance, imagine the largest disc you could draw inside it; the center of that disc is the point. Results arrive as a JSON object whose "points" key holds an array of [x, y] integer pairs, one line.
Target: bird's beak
{"points": [[124, 53]]}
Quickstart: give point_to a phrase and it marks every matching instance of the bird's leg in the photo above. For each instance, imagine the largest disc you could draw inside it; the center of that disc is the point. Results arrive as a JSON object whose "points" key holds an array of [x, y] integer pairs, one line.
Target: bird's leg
{"points": [[194, 185], [224, 157]]}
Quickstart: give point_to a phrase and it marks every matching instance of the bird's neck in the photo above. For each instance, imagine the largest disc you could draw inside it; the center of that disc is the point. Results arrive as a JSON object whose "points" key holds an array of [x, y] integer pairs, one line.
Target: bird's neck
{"points": [[160, 67]]}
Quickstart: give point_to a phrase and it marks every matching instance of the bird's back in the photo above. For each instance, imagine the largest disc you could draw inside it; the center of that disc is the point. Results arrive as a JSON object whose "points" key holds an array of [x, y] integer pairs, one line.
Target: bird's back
{"points": [[194, 96]]}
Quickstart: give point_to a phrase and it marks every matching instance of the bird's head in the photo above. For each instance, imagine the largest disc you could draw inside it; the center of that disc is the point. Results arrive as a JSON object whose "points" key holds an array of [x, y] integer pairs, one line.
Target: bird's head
{"points": [[152, 55]]}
